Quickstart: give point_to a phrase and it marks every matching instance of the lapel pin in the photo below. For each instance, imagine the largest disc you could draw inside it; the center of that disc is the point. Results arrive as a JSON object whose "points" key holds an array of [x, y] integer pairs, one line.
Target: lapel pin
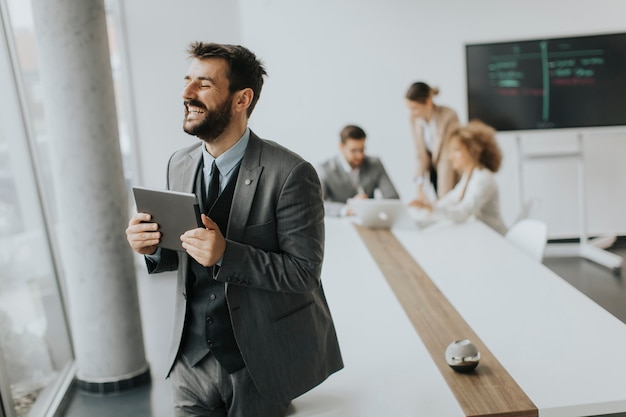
{"points": [[248, 181]]}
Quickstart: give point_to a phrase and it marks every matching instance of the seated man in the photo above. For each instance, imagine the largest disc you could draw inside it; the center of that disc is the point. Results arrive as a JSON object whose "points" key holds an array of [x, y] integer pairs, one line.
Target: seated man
{"points": [[352, 174]]}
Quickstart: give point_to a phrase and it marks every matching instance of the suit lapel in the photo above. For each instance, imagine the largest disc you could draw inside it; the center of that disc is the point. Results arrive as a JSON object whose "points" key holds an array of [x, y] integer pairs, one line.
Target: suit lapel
{"points": [[184, 178], [245, 188], [343, 178]]}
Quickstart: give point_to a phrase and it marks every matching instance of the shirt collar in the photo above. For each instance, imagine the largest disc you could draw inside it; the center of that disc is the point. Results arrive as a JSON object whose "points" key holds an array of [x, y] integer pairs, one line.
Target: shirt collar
{"points": [[344, 164], [229, 159]]}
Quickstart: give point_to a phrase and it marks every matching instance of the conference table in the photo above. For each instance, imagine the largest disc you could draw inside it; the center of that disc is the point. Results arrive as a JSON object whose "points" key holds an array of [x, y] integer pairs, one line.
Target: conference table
{"points": [[399, 297]]}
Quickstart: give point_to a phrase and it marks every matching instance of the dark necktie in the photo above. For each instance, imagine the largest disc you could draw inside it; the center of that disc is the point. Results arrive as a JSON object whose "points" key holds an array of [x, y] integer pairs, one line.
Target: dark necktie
{"points": [[214, 187]]}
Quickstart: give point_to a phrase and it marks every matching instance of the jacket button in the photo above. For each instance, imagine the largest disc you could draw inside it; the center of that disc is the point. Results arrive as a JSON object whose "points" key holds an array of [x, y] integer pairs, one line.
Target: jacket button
{"points": [[209, 342], [209, 320], [212, 296]]}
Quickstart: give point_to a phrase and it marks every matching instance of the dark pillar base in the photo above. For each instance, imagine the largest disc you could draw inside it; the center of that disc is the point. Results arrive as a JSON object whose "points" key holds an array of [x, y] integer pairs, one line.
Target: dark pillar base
{"points": [[114, 386]]}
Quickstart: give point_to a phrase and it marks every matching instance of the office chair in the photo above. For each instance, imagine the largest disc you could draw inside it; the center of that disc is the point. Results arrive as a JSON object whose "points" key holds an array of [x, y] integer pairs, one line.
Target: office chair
{"points": [[530, 236]]}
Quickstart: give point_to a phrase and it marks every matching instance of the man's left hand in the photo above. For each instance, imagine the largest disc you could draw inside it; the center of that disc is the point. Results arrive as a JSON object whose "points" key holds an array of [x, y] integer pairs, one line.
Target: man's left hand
{"points": [[205, 245]]}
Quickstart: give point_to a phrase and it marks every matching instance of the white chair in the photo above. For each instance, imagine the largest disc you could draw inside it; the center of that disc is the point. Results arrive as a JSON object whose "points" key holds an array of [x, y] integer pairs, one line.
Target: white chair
{"points": [[530, 236]]}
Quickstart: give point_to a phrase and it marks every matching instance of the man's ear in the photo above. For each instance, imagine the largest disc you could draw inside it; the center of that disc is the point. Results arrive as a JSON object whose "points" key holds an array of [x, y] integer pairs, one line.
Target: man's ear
{"points": [[243, 99]]}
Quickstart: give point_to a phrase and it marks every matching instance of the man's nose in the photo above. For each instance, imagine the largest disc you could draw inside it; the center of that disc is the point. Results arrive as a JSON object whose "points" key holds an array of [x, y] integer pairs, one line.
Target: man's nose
{"points": [[188, 91]]}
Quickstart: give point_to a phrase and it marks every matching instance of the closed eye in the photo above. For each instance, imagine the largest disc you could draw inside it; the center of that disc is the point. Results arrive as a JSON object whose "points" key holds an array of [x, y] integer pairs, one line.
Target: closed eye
{"points": [[202, 82]]}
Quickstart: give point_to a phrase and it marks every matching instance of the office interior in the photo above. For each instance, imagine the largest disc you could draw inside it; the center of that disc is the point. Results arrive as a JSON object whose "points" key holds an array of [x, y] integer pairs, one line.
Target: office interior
{"points": [[329, 64]]}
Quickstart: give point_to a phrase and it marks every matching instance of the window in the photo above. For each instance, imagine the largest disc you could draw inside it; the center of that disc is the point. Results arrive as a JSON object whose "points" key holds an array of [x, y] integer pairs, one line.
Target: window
{"points": [[35, 342]]}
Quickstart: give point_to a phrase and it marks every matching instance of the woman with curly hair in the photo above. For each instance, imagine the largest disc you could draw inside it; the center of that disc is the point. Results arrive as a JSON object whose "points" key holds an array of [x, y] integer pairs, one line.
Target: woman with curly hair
{"points": [[475, 155]]}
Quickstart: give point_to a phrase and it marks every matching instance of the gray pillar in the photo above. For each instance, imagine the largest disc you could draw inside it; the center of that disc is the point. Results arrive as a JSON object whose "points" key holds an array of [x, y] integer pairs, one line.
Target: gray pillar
{"points": [[91, 196]]}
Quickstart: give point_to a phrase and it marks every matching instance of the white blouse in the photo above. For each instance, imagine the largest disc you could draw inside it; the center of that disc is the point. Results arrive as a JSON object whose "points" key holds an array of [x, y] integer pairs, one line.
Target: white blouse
{"points": [[429, 130], [481, 199]]}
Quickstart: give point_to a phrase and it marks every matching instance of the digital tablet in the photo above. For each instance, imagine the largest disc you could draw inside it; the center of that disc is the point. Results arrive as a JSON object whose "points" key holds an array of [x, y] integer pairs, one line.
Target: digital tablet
{"points": [[175, 213]]}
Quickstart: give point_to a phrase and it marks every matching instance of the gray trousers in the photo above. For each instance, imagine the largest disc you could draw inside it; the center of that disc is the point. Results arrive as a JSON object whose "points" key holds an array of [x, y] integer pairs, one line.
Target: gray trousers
{"points": [[207, 390]]}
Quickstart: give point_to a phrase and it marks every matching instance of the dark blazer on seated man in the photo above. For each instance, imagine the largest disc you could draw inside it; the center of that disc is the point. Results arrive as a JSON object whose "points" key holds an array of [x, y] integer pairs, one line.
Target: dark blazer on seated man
{"points": [[352, 174]]}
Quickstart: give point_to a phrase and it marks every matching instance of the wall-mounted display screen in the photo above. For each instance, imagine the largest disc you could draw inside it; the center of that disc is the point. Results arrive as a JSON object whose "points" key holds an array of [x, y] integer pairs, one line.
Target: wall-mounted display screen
{"points": [[548, 83]]}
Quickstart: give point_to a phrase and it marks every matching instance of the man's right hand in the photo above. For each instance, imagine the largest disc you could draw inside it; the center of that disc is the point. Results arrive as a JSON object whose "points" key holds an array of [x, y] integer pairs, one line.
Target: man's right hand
{"points": [[143, 236]]}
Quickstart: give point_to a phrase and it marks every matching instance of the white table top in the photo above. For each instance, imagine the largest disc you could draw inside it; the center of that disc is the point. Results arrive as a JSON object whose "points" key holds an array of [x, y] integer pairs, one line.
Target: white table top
{"points": [[560, 347], [388, 371]]}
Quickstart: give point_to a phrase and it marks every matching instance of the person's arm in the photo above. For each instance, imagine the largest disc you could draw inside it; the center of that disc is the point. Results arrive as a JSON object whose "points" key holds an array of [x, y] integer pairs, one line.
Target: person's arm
{"points": [[298, 229], [480, 190], [162, 260], [143, 237], [450, 198], [385, 185], [451, 125]]}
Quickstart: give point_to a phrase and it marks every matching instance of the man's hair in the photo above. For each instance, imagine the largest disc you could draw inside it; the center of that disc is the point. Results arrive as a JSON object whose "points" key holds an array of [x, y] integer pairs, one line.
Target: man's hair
{"points": [[351, 132], [244, 69]]}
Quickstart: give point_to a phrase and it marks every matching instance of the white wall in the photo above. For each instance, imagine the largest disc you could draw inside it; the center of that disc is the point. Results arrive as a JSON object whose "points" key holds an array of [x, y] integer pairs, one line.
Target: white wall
{"points": [[157, 36], [333, 63]]}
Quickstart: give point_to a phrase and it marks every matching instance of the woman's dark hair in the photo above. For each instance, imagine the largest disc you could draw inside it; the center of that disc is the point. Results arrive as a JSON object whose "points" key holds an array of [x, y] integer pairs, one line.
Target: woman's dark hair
{"points": [[421, 92]]}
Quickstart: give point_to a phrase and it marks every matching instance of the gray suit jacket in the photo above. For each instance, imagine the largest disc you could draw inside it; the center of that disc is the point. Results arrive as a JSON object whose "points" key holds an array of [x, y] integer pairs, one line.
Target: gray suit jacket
{"points": [[271, 269], [337, 186]]}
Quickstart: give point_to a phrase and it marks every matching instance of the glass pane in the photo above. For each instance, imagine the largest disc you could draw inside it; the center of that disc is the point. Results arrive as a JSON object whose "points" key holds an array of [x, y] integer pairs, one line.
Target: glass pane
{"points": [[34, 337], [33, 331]]}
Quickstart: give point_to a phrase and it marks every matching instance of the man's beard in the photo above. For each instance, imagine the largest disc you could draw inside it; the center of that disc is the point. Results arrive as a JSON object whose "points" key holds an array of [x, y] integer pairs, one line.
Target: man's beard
{"points": [[214, 122]]}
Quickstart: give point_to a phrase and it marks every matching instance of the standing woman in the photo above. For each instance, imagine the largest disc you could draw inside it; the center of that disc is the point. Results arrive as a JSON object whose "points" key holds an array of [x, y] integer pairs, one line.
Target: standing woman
{"points": [[432, 126]]}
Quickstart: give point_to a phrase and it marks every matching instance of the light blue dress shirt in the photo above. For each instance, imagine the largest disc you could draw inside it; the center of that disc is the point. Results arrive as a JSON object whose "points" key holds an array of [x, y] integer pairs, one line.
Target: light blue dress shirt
{"points": [[226, 162]]}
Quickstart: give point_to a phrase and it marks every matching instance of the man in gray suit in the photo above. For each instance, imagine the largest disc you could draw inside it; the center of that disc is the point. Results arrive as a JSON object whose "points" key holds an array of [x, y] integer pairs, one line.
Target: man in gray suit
{"points": [[352, 174], [252, 329]]}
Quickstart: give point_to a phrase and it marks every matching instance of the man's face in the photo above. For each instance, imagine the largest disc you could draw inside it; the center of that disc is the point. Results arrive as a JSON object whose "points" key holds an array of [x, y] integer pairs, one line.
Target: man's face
{"points": [[208, 103], [353, 151]]}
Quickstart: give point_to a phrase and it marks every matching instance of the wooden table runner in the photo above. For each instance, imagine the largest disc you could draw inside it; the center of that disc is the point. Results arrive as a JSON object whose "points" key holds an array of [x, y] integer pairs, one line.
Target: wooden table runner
{"points": [[487, 391]]}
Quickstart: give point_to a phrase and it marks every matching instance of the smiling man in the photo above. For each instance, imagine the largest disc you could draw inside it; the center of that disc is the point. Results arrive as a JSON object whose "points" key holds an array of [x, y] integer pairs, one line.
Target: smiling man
{"points": [[252, 329]]}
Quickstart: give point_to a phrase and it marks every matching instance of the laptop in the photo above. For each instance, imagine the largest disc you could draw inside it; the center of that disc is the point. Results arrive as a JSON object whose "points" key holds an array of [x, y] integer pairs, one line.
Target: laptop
{"points": [[381, 213]]}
